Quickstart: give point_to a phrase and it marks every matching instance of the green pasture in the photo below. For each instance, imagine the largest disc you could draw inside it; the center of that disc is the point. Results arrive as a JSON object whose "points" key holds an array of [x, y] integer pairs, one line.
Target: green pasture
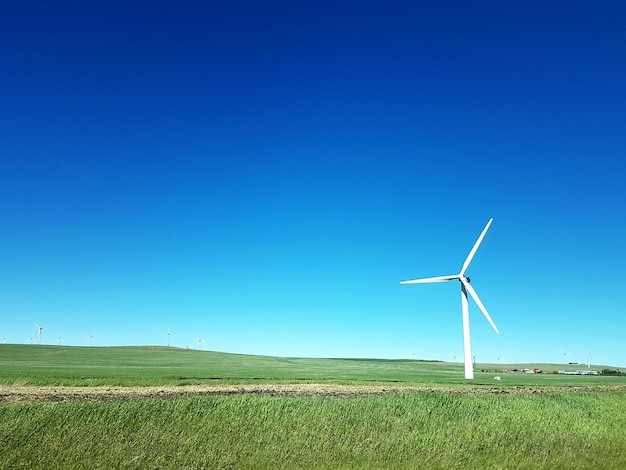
{"points": [[395, 431], [518, 428], [130, 366]]}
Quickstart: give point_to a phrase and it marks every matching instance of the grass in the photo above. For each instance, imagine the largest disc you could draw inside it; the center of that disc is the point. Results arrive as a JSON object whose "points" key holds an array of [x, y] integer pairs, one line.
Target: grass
{"points": [[132, 366], [406, 430], [397, 431]]}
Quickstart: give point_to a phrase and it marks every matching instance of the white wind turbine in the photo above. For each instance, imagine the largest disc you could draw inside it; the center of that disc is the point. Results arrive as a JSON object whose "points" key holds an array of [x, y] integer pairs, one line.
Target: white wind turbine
{"points": [[32, 338], [565, 354], [4, 339], [60, 338], [168, 335], [465, 288], [39, 328], [90, 338], [200, 341]]}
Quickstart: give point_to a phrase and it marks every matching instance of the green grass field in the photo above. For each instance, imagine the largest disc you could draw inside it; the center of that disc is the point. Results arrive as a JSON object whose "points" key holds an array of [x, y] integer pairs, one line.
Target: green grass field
{"points": [[405, 430], [133, 366], [397, 431]]}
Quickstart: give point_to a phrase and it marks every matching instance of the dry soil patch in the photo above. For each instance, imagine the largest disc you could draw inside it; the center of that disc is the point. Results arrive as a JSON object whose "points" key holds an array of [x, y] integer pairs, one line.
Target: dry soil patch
{"points": [[48, 394]]}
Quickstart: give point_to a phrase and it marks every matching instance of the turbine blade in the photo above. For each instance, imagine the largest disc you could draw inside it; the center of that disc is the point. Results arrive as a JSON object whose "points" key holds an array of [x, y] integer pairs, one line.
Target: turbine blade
{"points": [[472, 292], [468, 260], [431, 279]]}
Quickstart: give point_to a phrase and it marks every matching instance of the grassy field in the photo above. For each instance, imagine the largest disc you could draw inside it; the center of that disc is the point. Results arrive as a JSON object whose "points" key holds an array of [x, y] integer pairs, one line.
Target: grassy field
{"points": [[396, 431], [510, 423], [132, 366]]}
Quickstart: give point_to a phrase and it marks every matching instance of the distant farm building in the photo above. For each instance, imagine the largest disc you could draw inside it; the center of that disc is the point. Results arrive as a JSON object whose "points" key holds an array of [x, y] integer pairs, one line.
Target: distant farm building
{"points": [[578, 372]]}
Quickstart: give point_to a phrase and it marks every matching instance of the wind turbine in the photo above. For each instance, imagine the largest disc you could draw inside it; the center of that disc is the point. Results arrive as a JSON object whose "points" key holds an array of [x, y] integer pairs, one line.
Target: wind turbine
{"points": [[60, 338], [565, 354], [39, 331], [90, 338], [4, 339], [32, 338], [465, 288], [168, 335], [200, 341], [588, 360]]}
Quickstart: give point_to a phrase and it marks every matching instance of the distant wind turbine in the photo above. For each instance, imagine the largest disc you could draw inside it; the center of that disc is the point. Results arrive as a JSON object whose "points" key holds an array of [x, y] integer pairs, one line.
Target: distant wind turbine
{"points": [[60, 338], [565, 354], [588, 360], [200, 341], [4, 339], [169, 334], [39, 331], [90, 338], [465, 288], [32, 338]]}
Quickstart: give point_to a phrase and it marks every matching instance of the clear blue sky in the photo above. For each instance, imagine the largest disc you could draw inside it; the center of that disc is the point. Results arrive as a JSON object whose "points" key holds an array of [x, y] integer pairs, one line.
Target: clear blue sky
{"points": [[264, 174]]}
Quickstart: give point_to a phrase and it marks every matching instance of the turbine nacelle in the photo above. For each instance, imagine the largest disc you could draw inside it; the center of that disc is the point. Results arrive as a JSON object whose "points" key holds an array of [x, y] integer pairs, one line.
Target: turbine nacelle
{"points": [[465, 287]]}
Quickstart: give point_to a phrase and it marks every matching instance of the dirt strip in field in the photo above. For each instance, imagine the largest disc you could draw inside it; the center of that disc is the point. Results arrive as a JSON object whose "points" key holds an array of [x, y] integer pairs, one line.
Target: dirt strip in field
{"points": [[52, 394]]}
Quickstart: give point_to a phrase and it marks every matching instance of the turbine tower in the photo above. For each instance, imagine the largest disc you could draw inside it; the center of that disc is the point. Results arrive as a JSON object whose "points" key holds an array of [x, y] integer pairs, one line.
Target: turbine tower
{"points": [[465, 288], [60, 338], [39, 328], [200, 341]]}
